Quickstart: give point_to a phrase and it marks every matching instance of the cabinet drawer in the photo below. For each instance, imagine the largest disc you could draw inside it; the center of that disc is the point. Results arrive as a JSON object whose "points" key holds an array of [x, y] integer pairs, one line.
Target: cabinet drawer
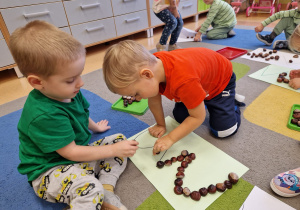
{"points": [[96, 31], [19, 16], [131, 22], [15, 3], [5, 58], [188, 8], [121, 7], [80, 11]]}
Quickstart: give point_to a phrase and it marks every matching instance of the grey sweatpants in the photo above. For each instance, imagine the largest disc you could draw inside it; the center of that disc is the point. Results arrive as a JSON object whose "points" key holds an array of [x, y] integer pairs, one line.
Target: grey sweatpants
{"points": [[80, 185]]}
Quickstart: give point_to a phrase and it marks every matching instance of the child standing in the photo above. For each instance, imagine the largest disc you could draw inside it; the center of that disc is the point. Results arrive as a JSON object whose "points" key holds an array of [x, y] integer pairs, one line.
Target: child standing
{"points": [[289, 19], [221, 17], [167, 12], [192, 77], [54, 125]]}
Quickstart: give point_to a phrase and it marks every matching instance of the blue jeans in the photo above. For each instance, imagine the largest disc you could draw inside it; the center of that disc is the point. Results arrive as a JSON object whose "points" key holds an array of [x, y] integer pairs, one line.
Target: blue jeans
{"points": [[173, 26], [224, 115]]}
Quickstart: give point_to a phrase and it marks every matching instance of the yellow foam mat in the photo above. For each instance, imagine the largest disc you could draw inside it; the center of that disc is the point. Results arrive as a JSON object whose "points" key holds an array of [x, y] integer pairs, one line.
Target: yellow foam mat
{"points": [[271, 110]]}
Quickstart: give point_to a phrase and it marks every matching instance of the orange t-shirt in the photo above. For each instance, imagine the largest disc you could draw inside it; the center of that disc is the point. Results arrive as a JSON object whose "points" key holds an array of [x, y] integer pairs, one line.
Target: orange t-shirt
{"points": [[194, 75]]}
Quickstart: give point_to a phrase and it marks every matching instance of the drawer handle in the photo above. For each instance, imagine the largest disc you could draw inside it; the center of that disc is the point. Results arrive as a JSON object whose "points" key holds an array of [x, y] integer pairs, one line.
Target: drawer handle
{"points": [[38, 14], [127, 0], [90, 6], [95, 28], [186, 6], [132, 19]]}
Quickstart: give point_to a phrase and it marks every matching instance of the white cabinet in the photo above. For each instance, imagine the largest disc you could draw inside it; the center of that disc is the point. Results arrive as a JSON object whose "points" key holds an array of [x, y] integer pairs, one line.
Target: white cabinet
{"points": [[5, 58], [121, 7], [19, 16], [17, 3], [80, 11]]}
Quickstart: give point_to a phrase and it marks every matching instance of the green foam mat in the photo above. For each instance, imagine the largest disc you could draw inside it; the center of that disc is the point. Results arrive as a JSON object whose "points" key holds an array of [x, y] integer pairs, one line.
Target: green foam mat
{"points": [[240, 70], [230, 200]]}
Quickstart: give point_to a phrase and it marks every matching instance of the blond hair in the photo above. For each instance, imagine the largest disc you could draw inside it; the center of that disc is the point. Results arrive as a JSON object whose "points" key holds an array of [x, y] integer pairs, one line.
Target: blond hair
{"points": [[294, 40], [39, 47], [122, 63]]}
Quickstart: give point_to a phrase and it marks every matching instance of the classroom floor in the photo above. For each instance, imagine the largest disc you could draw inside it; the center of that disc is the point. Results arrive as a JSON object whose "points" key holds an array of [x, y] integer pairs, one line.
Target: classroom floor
{"points": [[12, 88]]}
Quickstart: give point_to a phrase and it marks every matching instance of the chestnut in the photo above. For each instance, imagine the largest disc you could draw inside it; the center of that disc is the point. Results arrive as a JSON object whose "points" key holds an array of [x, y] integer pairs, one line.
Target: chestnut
{"points": [[233, 177], [203, 191], [285, 80], [178, 182], [211, 189], [180, 174], [180, 158], [296, 111], [186, 191], [188, 159], [173, 159], [284, 73], [168, 162], [291, 61], [228, 184], [270, 52], [195, 195], [184, 164], [221, 187], [279, 79], [296, 115], [160, 164], [274, 51], [294, 121], [295, 56], [248, 53], [180, 169], [277, 57], [267, 59], [184, 153], [272, 57], [264, 49], [178, 190], [192, 156]]}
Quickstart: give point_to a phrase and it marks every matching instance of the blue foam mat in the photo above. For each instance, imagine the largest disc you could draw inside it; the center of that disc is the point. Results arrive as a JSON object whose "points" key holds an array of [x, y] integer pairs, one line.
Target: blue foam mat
{"points": [[16, 192], [245, 39]]}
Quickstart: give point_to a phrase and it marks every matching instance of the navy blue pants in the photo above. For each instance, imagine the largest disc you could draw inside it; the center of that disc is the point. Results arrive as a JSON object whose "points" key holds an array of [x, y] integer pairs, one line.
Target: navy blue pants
{"points": [[224, 114], [173, 26]]}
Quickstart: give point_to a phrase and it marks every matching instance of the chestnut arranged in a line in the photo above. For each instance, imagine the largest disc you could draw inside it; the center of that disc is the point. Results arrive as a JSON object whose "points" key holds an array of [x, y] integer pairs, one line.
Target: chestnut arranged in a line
{"points": [[128, 100], [186, 158]]}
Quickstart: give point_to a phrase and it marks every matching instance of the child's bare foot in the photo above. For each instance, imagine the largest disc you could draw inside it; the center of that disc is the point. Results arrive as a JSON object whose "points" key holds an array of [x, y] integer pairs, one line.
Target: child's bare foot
{"points": [[294, 74]]}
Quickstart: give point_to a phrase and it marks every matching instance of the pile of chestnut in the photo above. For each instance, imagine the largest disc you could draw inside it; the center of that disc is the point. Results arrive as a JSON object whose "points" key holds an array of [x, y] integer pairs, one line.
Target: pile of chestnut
{"points": [[265, 55], [128, 100], [296, 117], [186, 158], [281, 78]]}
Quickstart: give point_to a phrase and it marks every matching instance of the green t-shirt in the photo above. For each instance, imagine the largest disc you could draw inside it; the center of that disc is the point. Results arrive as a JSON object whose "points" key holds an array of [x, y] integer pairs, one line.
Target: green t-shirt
{"points": [[47, 125]]}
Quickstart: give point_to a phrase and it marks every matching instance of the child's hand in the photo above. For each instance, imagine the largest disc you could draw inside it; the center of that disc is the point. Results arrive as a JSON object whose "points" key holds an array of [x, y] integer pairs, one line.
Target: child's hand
{"points": [[259, 28], [197, 29], [125, 148], [295, 83], [102, 126], [157, 131], [294, 74], [162, 144], [198, 37]]}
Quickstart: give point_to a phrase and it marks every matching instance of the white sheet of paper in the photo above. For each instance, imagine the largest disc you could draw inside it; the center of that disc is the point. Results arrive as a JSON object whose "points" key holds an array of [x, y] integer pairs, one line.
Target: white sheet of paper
{"points": [[260, 200], [284, 58], [186, 35], [270, 74], [211, 166]]}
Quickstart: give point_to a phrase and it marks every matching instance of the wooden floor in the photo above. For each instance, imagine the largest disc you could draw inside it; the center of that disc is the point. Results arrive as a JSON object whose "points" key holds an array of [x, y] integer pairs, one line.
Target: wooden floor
{"points": [[12, 88]]}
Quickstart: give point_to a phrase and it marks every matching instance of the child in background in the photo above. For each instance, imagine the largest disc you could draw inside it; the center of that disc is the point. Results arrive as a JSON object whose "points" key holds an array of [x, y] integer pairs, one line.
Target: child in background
{"points": [[54, 125], [289, 19], [192, 77], [221, 17], [167, 12]]}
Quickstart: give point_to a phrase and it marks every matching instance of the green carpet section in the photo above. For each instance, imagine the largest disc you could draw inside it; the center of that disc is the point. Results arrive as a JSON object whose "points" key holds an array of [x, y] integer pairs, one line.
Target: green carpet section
{"points": [[234, 198], [240, 70], [230, 200]]}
